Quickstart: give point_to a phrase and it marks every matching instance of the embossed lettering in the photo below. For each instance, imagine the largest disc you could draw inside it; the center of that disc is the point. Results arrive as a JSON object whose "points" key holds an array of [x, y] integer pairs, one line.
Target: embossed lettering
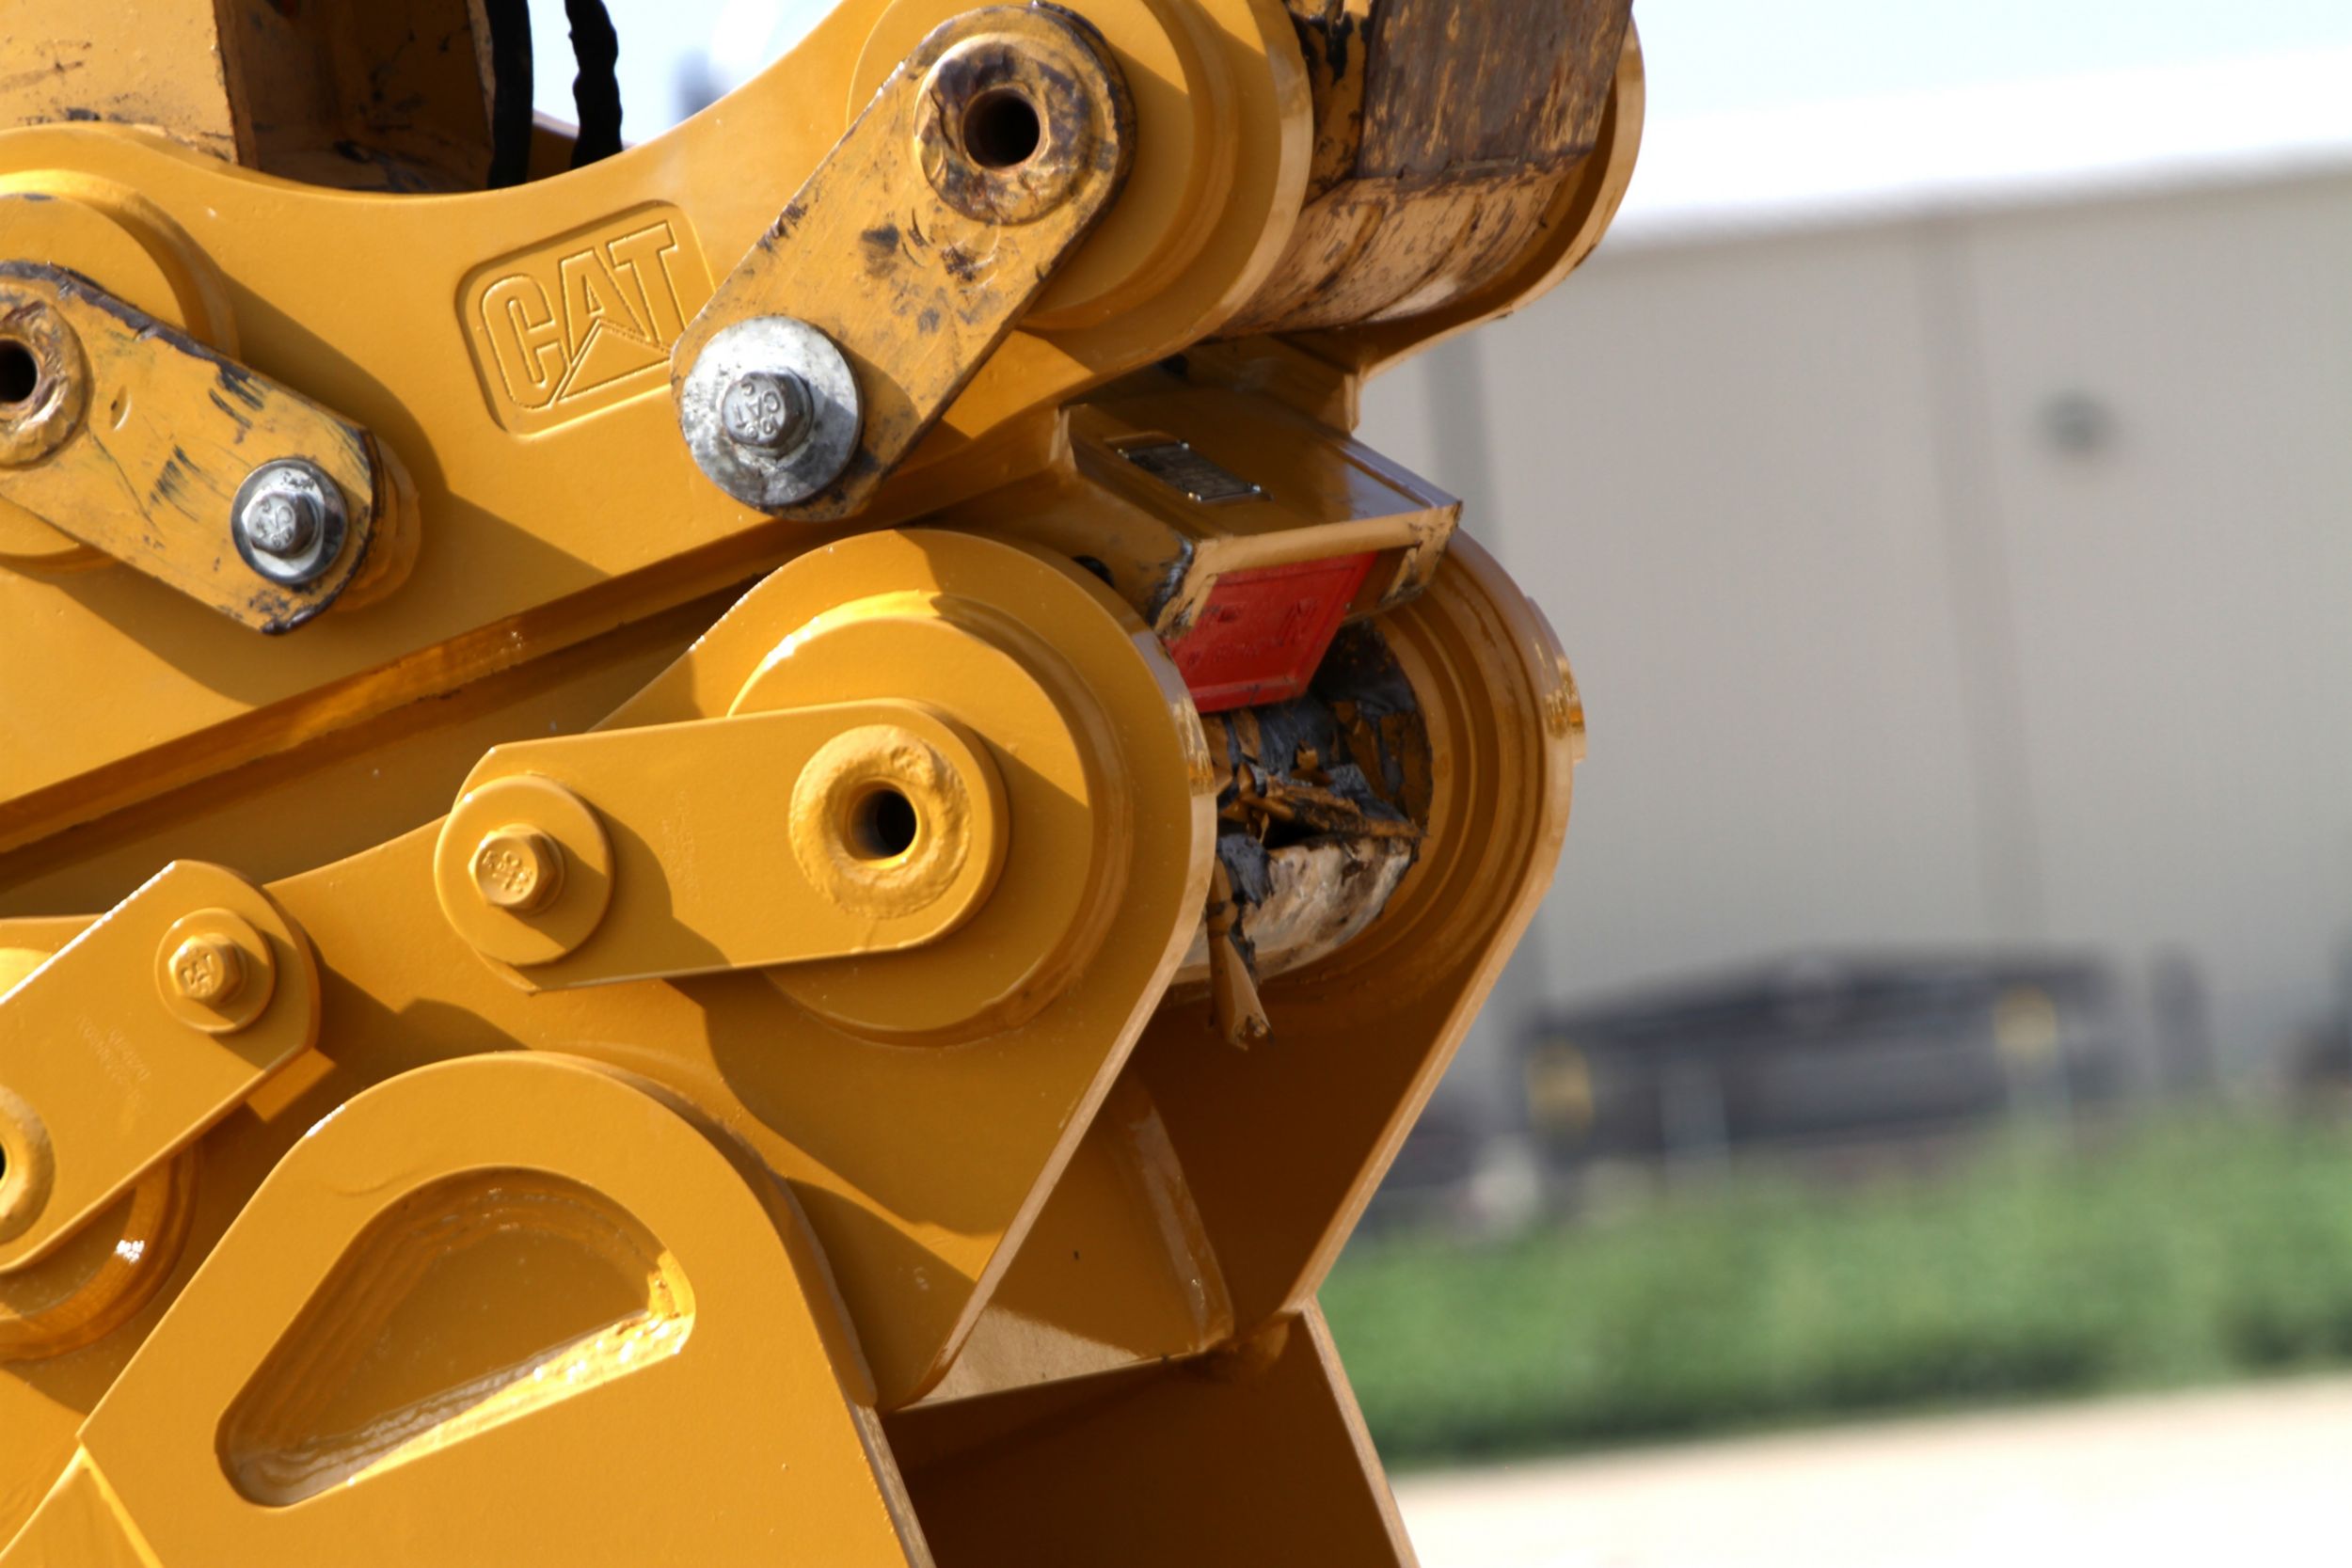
{"points": [[525, 339], [586, 320]]}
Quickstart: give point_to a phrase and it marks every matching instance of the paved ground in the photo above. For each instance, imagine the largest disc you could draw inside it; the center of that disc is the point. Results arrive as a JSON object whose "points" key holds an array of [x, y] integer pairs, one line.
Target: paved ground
{"points": [[2258, 1476]]}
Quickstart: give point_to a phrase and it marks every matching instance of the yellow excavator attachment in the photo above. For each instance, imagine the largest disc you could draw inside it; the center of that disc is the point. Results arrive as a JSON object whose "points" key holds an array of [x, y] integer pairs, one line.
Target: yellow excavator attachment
{"points": [[745, 850]]}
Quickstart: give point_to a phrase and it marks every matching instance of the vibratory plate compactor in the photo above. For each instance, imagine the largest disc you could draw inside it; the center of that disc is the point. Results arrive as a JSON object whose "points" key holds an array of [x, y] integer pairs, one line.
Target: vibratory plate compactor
{"points": [[744, 850]]}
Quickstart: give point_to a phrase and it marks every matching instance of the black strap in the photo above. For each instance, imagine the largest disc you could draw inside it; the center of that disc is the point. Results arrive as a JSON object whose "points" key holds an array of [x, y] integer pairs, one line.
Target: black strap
{"points": [[510, 91], [596, 90]]}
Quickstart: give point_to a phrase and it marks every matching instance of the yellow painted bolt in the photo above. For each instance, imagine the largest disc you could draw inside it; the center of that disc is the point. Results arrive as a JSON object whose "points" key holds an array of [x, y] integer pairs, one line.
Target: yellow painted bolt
{"points": [[518, 869], [207, 970]]}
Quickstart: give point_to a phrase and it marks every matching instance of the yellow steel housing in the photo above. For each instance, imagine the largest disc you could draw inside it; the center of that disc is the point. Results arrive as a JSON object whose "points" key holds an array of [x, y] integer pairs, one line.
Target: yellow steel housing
{"points": [[653, 1030]]}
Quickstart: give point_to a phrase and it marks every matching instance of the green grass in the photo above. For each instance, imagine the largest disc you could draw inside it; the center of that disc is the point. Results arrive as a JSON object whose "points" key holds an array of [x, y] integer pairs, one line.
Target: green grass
{"points": [[2173, 1254]]}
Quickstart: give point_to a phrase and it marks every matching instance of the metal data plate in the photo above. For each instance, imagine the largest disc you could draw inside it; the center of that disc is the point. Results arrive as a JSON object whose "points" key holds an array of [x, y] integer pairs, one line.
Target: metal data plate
{"points": [[1177, 465]]}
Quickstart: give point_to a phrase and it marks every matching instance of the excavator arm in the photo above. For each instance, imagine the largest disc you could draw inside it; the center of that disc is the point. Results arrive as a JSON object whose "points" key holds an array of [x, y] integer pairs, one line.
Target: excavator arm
{"points": [[744, 849]]}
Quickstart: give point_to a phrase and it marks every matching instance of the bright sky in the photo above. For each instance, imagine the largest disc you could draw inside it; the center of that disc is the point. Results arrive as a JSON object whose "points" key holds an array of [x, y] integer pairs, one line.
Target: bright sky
{"points": [[1763, 104], [1718, 56]]}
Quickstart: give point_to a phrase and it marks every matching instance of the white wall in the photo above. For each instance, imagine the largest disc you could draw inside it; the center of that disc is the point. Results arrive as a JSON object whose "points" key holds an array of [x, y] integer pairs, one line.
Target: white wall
{"points": [[1868, 657]]}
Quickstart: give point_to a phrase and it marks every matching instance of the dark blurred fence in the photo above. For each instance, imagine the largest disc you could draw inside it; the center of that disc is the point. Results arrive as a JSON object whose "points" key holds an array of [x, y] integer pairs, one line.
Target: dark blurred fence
{"points": [[1836, 1062]]}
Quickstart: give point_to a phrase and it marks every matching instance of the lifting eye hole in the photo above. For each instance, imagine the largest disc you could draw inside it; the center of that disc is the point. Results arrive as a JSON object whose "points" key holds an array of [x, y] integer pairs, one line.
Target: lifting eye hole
{"points": [[882, 825], [20, 372], [1001, 129]]}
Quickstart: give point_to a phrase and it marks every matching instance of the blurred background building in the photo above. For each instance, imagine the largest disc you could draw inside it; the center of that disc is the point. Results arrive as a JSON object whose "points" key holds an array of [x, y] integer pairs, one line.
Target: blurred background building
{"points": [[1950, 562]]}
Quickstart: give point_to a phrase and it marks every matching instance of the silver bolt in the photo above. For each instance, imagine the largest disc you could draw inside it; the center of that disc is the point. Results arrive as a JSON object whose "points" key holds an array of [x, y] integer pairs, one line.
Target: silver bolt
{"points": [[282, 524], [771, 410], [288, 521]]}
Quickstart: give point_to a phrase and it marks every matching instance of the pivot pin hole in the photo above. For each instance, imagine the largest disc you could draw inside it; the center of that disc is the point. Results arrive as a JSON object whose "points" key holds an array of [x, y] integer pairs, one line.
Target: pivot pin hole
{"points": [[20, 372], [1001, 129], [882, 825]]}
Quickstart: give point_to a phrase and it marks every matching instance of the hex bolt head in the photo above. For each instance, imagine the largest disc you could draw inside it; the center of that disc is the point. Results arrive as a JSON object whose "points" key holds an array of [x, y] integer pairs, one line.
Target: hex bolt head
{"points": [[282, 523], [213, 971], [518, 869], [771, 410], [207, 970], [288, 521]]}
